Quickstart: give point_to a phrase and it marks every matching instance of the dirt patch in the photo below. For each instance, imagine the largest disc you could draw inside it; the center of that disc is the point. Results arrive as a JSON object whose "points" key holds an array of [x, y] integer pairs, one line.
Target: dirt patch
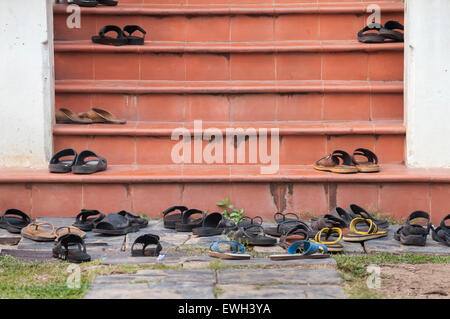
{"points": [[416, 281]]}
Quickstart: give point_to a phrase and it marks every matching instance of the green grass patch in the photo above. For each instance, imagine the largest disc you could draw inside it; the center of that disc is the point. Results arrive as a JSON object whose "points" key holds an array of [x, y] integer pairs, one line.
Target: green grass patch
{"points": [[20, 279]]}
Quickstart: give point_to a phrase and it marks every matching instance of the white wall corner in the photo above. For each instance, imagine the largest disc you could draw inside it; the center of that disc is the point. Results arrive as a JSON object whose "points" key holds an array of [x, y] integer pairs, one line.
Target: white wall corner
{"points": [[427, 83], [26, 83]]}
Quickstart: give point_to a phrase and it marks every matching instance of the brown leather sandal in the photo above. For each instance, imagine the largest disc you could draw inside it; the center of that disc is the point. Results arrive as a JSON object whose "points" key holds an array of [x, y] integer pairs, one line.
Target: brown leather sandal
{"points": [[101, 116], [64, 230], [36, 232], [337, 162], [367, 165], [66, 116]]}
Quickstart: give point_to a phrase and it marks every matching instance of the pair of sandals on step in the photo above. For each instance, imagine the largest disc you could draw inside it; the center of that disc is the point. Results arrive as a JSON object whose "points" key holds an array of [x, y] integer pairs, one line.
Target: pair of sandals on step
{"points": [[392, 31], [362, 161]]}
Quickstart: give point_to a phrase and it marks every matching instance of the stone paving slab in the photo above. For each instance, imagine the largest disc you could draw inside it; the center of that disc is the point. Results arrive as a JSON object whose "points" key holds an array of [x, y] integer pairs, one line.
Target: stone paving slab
{"points": [[278, 276], [165, 290], [159, 275], [389, 245], [266, 262], [236, 291], [7, 238]]}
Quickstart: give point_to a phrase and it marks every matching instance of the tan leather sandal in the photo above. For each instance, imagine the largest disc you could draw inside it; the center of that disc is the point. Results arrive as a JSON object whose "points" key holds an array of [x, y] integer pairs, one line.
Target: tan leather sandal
{"points": [[66, 116], [97, 115], [64, 230], [336, 162], [36, 232], [368, 164]]}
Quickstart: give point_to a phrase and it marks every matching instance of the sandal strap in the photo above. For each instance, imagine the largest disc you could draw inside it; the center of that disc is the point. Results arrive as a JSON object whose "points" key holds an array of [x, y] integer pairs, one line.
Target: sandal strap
{"points": [[130, 29], [283, 215], [373, 228], [38, 225], [62, 153], [328, 232], [69, 228], [372, 26], [16, 212], [393, 25], [371, 157], [67, 239], [85, 213], [172, 209], [109, 28], [443, 222], [146, 240], [188, 213], [87, 153], [308, 247]]}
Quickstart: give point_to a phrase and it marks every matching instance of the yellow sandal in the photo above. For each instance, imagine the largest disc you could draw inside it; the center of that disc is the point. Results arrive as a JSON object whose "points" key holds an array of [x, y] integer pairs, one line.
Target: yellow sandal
{"points": [[333, 246], [356, 235]]}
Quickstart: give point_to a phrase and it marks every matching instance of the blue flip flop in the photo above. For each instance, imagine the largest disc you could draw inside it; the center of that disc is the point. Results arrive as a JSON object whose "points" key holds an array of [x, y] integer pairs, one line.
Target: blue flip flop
{"points": [[236, 250], [303, 249]]}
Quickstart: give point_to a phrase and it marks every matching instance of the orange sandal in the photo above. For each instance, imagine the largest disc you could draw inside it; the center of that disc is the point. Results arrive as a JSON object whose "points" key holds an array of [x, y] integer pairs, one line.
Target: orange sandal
{"points": [[36, 232], [337, 162]]}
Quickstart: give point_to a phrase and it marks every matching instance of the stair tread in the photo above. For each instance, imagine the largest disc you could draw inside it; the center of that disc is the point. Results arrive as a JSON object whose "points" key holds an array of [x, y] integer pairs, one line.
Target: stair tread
{"points": [[223, 173], [138, 86], [257, 46], [392, 127], [204, 9]]}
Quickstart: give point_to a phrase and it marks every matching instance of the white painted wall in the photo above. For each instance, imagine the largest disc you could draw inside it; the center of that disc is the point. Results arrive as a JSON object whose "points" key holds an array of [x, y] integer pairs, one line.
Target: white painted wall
{"points": [[26, 82], [427, 83]]}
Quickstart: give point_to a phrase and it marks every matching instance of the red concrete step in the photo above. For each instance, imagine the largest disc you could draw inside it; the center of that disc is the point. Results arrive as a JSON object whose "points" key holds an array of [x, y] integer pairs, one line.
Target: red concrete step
{"points": [[231, 22], [396, 191], [311, 61], [241, 107], [299, 143]]}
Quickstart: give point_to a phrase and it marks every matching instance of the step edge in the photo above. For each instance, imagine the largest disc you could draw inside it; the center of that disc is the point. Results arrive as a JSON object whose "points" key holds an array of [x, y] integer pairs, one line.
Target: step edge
{"points": [[314, 130], [233, 87], [203, 10], [87, 47]]}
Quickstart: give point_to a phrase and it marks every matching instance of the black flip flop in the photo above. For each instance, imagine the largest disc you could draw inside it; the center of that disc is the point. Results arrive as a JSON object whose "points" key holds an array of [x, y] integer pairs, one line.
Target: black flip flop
{"points": [[171, 217], [284, 227], [57, 165], [134, 219], [102, 38], [13, 220], [296, 233], [414, 234], [356, 211], [253, 236], [389, 31], [371, 37], [89, 167], [279, 219], [187, 223], [442, 232], [132, 39], [213, 225], [85, 221], [115, 224], [72, 248], [144, 241]]}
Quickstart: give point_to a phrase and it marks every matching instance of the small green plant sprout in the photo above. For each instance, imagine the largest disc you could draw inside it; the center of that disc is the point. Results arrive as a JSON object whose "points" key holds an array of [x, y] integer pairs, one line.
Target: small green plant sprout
{"points": [[230, 211]]}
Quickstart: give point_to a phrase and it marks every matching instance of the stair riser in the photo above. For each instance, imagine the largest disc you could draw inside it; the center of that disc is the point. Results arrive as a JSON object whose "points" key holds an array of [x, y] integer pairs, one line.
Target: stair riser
{"points": [[225, 28], [240, 107], [396, 200], [293, 149], [375, 66]]}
